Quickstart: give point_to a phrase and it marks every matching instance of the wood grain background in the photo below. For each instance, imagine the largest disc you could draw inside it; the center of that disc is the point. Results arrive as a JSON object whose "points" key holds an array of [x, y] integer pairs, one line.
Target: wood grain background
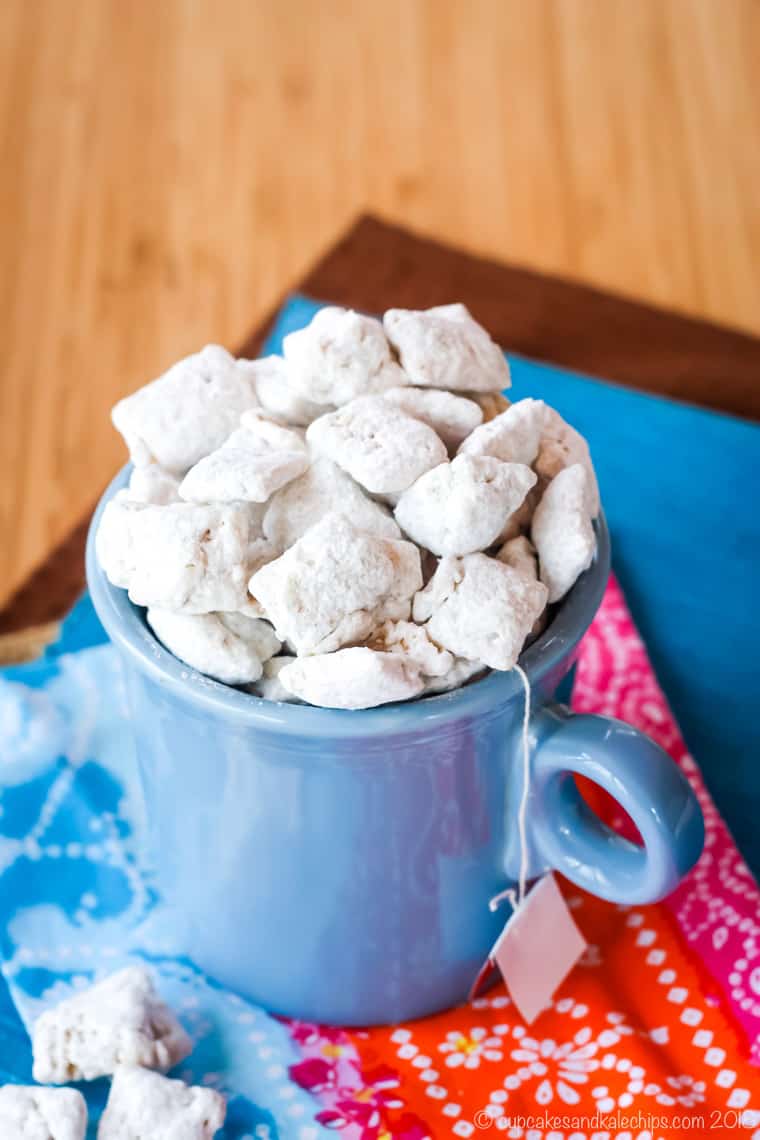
{"points": [[169, 166]]}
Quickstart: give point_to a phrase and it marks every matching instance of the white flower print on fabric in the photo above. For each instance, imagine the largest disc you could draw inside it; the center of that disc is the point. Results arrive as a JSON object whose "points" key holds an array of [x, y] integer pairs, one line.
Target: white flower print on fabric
{"points": [[469, 1049]]}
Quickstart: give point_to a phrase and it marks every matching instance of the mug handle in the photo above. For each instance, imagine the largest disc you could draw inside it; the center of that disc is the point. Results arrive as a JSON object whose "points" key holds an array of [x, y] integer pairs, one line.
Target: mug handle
{"points": [[568, 836]]}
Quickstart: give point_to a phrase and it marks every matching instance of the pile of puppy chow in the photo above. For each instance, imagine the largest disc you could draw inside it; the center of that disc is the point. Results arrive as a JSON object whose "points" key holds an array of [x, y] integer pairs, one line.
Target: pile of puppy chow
{"points": [[118, 1028], [365, 519]]}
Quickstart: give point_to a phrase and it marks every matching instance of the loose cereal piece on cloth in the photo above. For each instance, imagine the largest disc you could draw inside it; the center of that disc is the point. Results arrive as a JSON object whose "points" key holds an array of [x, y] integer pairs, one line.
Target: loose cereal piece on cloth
{"points": [[185, 557], [29, 1113], [119, 1021], [480, 609], [462, 506], [340, 355], [276, 393], [235, 474], [145, 1106], [380, 446], [355, 678], [513, 436], [187, 413], [336, 584], [562, 532], [231, 648], [451, 417], [153, 485], [323, 487], [444, 347], [412, 642]]}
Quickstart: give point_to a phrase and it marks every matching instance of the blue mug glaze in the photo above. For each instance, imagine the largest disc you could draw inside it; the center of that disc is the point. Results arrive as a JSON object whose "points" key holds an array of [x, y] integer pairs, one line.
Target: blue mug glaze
{"points": [[337, 866]]}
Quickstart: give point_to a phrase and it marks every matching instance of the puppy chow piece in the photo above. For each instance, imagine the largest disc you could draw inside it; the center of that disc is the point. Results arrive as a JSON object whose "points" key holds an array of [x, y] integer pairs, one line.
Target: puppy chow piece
{"points": [[562, 446], [380, 446], [459, 674], [481, 609], [462, 507], [276, 393], [269, 684], [444, 347], [146, 1106], [29, 1113], [119, 1021], [451, 417], [491, 404], [412, 642], [235, 474], [185, 557], [153, 485], [335, 584], [520, 554], [513, 436], [228, 647], [340, 355], [187, 413], [518, 522], [355, 678], [531, 432], [562, 532], [324, 487]]}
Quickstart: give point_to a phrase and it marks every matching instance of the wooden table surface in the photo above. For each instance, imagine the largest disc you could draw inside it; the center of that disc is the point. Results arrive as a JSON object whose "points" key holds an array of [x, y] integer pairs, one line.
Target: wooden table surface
{"points": [[170, 166]]}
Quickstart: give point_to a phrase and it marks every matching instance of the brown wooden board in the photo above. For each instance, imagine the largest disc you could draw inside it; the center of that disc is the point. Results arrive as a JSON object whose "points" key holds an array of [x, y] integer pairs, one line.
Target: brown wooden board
{"points": [[377, 265]]}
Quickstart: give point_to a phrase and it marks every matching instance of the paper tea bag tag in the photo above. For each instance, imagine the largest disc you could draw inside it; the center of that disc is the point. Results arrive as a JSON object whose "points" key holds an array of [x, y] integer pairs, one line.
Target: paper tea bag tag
{"points": [[535, 951]]}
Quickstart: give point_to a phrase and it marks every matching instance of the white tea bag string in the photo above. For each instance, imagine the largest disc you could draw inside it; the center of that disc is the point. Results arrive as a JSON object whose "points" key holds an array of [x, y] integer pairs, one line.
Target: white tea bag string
{"points": [[516, 898]]}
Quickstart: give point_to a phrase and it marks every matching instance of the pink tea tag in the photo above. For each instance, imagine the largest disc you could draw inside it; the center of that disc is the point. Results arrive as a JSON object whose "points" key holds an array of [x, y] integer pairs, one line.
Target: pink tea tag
{"points": [[536, 950]]}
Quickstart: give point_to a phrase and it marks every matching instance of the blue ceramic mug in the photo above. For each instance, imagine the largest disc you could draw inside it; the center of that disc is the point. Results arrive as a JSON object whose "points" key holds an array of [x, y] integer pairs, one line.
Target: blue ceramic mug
{"points": [[337, 866]]}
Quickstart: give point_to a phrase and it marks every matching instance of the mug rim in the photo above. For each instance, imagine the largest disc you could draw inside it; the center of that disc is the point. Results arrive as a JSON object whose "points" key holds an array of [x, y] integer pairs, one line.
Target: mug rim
{"points": [[125, 624]]}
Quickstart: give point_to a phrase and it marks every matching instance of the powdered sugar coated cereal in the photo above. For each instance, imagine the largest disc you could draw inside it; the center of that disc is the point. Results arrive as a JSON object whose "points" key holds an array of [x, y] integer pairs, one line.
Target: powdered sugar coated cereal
{"points": [[335, 584], [461, 507], [187, 413], [444, 347], [380, 446], [562, 532], [340, 355]]}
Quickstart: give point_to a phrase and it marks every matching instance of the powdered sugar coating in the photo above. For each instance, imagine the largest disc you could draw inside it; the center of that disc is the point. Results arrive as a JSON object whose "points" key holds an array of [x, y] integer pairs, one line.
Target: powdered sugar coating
{"points": [[444, 347], [513, 436], [231, 648], [340, 355], [324, 487], [462, 507], [562, 446], [145, 1106], [336, 584], [562, 532], [152, 484], [480, 609], [412, 642], [380, 446], [186, 413], [29, 1113], [119, 1021], [451, 417], [235, 474], [354, 678], [184, 557], [276, 393]]}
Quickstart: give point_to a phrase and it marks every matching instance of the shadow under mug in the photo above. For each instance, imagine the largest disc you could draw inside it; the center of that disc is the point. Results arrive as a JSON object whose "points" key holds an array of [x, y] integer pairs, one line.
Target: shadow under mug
{"points": [[336, 866]]}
